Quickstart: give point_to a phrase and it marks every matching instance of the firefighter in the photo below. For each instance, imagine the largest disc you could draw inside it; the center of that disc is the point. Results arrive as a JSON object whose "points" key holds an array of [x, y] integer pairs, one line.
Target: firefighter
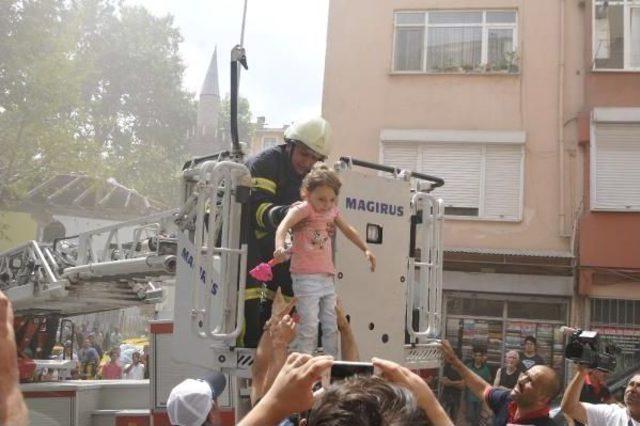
{"points": [[277, 174]]}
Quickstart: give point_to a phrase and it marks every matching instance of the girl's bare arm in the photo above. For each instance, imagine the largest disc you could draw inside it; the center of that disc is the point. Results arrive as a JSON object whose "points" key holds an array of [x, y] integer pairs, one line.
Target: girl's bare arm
{"points": [[292, 218], [353, 235]]}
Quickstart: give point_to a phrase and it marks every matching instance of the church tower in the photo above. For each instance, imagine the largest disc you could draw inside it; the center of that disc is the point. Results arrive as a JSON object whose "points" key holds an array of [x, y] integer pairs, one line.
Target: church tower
{"points": [[205, 140]]}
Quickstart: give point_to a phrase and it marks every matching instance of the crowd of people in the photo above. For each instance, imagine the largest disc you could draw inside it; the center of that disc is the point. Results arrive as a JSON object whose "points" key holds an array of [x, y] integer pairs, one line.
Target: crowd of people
{"points": [[287, 387], [286, 392], [91, 362]]}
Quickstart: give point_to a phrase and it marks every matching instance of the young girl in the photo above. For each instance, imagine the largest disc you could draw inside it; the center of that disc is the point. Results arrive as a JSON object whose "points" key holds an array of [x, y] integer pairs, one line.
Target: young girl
{"points": [[312, 267]]}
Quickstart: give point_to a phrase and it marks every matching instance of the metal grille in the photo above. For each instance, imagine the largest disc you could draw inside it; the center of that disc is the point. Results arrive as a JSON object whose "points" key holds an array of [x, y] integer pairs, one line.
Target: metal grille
{"points": [[618, 322], [615, 313], [423, 356]]}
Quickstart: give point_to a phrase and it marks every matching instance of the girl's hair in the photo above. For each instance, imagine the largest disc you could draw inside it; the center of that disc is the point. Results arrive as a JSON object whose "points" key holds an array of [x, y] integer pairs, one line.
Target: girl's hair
{"points": [[321, 175]]}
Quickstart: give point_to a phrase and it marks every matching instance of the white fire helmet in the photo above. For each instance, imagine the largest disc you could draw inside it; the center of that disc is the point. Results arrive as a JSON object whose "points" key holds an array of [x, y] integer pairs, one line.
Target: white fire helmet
{"points": [[314, 133]]}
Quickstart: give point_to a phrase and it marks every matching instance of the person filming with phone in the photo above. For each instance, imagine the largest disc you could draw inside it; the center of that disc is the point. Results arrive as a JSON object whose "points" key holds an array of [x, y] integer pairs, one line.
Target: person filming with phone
{"points": [[394, 395]]}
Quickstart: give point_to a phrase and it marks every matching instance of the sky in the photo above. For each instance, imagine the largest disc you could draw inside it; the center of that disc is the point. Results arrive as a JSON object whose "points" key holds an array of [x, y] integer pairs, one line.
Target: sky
{"points": [[285, 42]]}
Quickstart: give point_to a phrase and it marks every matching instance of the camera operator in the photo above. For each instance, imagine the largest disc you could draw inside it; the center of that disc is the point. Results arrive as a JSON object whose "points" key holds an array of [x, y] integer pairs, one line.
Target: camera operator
{"points": [[595, 390], [526, 404], [602, 414]]}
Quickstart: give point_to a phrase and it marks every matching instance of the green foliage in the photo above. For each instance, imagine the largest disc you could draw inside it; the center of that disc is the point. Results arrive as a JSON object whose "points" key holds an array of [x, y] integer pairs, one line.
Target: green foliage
{"points": [[93, 86], [245, 127]]}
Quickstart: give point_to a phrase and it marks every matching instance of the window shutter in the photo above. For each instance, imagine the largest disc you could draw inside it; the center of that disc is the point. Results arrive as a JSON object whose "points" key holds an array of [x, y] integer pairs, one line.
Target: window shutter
{"points": [[502, 181], [459, 165], [616, 174], [401, 155]]}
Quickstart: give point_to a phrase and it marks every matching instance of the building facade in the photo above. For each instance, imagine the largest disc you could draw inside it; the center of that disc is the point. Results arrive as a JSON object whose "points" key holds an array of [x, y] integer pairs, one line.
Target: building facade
{"points": [[265, 136], [609, 136], [485, 94]]}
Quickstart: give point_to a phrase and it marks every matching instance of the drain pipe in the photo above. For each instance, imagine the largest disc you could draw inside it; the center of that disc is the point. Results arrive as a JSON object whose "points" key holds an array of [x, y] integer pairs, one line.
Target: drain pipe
{"points": [[561, 169]]}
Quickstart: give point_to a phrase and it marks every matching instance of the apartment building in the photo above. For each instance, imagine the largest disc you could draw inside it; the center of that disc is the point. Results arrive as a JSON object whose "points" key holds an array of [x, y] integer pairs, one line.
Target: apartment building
{"points": [[609, 137], [265, 136], [483, 93]]}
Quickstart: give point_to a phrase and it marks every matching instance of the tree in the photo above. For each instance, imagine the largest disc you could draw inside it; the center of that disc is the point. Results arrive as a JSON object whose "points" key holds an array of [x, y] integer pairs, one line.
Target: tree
{"points": [[39, 94], [245, 127], [90, 85]]}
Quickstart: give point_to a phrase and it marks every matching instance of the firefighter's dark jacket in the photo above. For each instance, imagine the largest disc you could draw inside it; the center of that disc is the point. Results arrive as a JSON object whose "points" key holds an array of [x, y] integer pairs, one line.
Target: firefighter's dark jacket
{"points": [[275, 186]]}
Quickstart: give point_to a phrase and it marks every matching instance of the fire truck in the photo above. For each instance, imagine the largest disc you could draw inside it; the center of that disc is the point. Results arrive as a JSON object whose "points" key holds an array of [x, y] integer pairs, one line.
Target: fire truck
{"points": [[197, 254]]}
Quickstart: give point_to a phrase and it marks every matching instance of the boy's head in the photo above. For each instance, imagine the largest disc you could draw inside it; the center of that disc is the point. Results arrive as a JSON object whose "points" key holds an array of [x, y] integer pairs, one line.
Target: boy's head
{"points": [[478, 355], [530, 344]]}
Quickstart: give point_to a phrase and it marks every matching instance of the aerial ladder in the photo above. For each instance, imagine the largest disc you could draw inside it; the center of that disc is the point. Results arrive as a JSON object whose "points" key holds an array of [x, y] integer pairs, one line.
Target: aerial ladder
{"points": [[395, 313], [93, 271]]}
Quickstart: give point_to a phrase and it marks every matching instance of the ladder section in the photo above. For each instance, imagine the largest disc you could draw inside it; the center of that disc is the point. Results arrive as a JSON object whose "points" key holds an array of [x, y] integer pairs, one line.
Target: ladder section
{"points": [[212, 263], [424, 287], [112, 267], [30, 270], [424, 290]]}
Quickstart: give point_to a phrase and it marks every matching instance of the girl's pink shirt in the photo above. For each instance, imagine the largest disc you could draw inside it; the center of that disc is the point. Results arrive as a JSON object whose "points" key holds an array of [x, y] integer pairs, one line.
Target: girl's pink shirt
{"points": [[312, 247]]}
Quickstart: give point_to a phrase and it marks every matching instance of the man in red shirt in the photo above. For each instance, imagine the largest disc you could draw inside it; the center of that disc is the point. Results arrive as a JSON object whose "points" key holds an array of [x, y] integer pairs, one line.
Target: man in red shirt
{"points": [[112, 370], [526, 404]]}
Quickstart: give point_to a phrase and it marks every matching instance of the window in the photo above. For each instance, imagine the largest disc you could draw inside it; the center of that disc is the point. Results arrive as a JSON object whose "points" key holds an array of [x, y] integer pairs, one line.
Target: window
{"points": [[615, 155], [455, 41], [475, 307], [615, 313], [616, 35], [537, 311], [269, 142], [617, 321], [482, 179], [497, 324]]}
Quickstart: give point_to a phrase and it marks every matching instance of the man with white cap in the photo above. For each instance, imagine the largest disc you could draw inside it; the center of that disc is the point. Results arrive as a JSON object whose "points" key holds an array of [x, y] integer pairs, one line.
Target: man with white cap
{"points": [[193, 401]]}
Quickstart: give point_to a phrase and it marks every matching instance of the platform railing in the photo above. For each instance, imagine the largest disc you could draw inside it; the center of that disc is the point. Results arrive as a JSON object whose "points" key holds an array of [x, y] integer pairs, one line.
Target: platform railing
{"points": [[219, 256], [425, 292]]}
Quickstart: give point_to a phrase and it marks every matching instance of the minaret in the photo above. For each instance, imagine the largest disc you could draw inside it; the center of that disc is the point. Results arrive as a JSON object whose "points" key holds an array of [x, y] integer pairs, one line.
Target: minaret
{"points": [[205, 140]]}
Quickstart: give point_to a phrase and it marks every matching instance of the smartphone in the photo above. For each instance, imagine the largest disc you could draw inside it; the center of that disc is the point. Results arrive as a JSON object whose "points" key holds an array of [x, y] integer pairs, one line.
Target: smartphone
{"points": [[340, 370]]}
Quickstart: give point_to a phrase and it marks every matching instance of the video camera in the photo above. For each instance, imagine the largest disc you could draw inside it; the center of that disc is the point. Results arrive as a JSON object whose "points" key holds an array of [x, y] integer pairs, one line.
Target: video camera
{"points": [[584, 348]]}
